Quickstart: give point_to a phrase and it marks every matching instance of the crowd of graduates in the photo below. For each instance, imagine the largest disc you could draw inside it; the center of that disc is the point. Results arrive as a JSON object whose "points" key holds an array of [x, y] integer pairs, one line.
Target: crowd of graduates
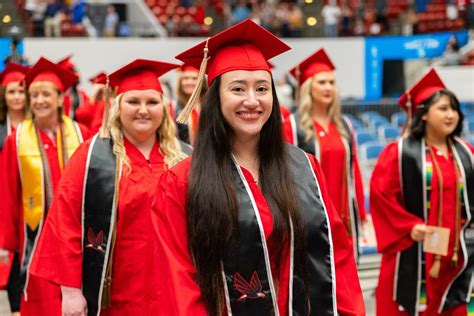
{"points": [[222, 201]]}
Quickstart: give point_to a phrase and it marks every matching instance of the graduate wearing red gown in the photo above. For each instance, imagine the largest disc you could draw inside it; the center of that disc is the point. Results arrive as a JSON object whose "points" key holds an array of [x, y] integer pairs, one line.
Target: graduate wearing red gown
{"points": [[405, 192], [21, 224], [186, 82], [76, 100], [92, 111], [336, 153], [182, 293], [15, 104], [257, 272], [77, 249]]}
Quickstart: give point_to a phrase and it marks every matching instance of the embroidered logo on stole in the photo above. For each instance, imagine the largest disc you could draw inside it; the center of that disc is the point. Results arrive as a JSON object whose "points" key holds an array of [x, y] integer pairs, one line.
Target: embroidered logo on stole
{"points": [[252, 290], [95, 242]]}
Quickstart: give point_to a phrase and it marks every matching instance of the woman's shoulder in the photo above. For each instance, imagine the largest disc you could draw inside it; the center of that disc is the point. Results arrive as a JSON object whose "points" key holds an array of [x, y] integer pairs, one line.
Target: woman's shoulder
{"points": [[180, 171], [465, 143]]}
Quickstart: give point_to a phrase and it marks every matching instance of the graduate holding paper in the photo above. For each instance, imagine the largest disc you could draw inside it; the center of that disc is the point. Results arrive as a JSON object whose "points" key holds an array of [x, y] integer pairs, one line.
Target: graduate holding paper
{"points": [[422, 189]]}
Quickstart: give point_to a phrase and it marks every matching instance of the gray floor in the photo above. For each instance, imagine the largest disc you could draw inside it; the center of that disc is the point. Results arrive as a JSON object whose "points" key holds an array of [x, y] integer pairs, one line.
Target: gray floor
{"points": [[368, 273], [4, 307]]}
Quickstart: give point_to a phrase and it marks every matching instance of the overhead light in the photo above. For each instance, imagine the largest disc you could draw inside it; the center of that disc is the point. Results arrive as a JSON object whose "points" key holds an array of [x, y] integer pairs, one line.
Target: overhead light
{"points": [[311, 21], [308, 1], [208, 20], [6, 19]]}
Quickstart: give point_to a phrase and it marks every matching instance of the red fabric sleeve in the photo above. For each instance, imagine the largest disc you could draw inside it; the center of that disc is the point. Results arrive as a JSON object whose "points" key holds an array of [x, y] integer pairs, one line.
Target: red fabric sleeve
{"points": [[179, 290], [97, 117], [358, 183], [392, 222], [349, 296], [10, 192], [86, 134], [58, 255], [287, 130]]}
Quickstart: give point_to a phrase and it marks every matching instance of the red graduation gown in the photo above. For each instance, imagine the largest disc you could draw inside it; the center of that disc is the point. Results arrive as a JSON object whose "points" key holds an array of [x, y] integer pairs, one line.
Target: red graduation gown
{"points": [[183, 295], [332, 161], [90, 114], [97, 116], [5, 267], [58, 257], [43, 298], [83, 98], [393, 225]]}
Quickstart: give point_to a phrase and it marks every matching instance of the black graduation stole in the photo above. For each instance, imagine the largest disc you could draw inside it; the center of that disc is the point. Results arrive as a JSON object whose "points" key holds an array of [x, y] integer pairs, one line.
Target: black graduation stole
{"points": [[247, 272], [3, 134], [98, 217], [414, 189], [98, 212], [313, 148]]}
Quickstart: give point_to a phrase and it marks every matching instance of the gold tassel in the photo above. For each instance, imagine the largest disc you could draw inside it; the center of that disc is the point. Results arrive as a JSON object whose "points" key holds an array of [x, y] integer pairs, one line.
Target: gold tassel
{"points": [[434, 271], [104, 130], [183, 116], [455, 258], [106, 295]]}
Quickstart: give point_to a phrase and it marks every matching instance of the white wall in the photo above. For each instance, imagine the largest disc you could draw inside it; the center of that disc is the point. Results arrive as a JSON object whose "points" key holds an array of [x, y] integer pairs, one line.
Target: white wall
{"points": [[95, 55], [460, 80]]}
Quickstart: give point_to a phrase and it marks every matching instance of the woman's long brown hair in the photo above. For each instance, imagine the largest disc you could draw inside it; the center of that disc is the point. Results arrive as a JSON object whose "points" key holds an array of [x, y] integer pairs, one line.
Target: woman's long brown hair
{"points": [[212, 207]]}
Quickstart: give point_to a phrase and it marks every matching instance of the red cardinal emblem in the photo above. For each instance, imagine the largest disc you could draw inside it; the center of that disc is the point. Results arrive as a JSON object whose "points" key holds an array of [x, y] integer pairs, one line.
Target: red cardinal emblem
{"points": [[95, 242], [252, 290]]}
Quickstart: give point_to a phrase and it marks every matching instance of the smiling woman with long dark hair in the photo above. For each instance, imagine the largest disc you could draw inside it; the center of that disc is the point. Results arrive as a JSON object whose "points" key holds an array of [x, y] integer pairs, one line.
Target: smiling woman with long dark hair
{"points": [[246, 226], [422, 183]]}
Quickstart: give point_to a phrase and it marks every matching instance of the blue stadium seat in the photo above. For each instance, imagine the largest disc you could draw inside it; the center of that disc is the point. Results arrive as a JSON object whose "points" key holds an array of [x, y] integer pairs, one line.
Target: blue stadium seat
{"points": [[363, 136], [469, 139], [356, 123], [399, 119], [469, 125], [371, 150], [388, 133], [469, 116], [366, 117], [373, 119]]}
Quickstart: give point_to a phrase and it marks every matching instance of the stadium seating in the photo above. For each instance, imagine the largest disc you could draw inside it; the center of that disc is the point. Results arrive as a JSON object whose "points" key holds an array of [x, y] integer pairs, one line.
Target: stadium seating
{"points": [[398, 119], [364, 135], [388, 133]]}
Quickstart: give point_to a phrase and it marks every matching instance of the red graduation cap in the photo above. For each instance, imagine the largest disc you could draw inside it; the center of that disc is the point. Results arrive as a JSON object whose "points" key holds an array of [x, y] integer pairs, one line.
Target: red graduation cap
{"points": [[420, 91], [100, 78], [45, 70], [244, 46], [316, 63], [13, 73], [140, 74], [66, 63], [186, 67]]}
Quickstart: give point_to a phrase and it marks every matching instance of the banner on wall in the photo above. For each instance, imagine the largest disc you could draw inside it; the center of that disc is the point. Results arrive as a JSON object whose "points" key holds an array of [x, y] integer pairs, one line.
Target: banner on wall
{"points": [[378, 49]]}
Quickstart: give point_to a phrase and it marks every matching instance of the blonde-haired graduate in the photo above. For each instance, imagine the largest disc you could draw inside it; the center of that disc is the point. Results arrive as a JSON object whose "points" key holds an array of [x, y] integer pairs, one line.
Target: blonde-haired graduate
{"points": [[33, 160], [319, 128], [98, 243]]}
